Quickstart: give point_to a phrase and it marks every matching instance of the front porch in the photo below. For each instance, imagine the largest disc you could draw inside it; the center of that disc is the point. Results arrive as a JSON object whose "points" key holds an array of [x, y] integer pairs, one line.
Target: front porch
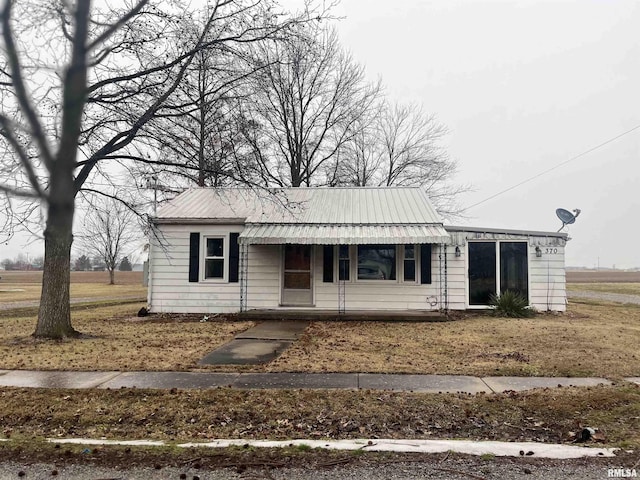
{"points": [[313, 314]]}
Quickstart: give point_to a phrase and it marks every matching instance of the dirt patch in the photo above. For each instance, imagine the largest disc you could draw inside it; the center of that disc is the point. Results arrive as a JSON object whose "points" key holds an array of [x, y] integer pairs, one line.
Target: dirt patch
{"points": [[264, 464], [516, 356], [182, 318]]}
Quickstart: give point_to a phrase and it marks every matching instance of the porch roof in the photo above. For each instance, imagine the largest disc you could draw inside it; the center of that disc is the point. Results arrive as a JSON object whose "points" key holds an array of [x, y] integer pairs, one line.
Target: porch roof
{"points": [[314, 234]]}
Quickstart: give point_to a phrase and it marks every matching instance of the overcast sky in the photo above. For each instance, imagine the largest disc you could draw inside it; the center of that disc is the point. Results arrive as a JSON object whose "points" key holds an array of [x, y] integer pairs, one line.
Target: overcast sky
{"points": [[523, 86]]}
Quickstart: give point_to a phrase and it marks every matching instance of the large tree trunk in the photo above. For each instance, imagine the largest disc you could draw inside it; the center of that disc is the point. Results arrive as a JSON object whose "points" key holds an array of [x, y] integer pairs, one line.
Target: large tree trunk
{"points": [[112, 276], [54, 315]]}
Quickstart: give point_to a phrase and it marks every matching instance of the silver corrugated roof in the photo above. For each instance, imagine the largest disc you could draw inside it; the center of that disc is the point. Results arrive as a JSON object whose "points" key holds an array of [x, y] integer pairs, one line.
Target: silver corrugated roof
{"points": [[218, 204], [314, 215], [348, 206], [277, 234]]}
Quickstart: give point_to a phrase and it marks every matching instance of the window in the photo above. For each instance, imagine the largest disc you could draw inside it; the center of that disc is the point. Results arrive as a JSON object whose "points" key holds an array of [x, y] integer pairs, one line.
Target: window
{"points": [[214, 258], [344, 264], [482, 272], [494, 268], [409, 263], [514, 274], [376, 262]]}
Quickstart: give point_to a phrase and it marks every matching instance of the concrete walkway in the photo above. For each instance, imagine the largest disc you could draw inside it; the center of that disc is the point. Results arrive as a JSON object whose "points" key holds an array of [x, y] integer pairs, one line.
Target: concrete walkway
{"points": [[351, 381], [259, 344]]}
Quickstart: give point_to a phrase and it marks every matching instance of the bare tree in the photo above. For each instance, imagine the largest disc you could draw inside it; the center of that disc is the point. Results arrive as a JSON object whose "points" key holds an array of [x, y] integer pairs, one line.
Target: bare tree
{"points": [[401, 145], [108, 231], [77, 86], [309, 95], [195, 131]]}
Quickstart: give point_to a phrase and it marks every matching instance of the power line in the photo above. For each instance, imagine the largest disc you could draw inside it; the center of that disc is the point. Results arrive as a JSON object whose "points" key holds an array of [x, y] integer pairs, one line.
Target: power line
{"points": [[592, 149]]}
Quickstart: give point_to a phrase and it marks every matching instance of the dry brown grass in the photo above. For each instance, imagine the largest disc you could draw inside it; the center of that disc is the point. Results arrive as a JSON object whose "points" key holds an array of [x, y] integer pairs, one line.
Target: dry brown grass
{"points": [[602, 276], [591, 339], [541, 415], [24, 286], [18, 292], [115, 339], [129, 278]]}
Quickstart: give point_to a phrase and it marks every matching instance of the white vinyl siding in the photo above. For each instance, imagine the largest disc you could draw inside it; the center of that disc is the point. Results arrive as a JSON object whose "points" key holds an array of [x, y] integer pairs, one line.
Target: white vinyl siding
{"points": [[171, 291]]}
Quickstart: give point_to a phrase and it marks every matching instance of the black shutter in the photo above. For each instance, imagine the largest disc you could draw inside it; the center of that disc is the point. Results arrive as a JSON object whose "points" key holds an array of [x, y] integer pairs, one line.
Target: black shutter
{"points": [[327, 264], [234, 257], [425, 264], [194, 257]]}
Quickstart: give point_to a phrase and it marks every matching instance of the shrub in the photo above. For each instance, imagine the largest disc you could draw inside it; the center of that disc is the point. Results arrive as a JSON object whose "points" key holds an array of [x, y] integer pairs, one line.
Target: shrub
{"points": [[512, 305]]}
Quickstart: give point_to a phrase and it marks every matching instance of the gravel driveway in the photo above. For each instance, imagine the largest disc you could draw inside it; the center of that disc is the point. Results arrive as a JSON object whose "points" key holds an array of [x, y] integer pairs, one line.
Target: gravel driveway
{"points": [[609, 297], [36, 303]]}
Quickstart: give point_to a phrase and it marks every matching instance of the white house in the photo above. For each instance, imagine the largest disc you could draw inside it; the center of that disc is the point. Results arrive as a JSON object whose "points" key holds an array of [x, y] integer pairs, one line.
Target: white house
{"points": [[339, 250]]}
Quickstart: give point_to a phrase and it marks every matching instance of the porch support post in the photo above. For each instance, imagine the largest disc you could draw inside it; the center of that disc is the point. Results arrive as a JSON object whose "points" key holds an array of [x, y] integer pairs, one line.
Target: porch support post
{"points": [[244, 274], [444, 274], [446, 279]]}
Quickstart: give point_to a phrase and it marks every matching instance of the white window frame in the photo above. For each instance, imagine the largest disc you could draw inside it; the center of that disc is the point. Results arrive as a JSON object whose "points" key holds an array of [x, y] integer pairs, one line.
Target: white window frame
{"points": [[353, 265], [416, 263], [225, 259], [336, 266]]}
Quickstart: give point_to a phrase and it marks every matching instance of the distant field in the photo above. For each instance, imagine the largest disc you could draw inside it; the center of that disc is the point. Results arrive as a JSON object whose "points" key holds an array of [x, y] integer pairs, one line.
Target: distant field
{"points": [[122, 278], [26, 286], [603, 277]]}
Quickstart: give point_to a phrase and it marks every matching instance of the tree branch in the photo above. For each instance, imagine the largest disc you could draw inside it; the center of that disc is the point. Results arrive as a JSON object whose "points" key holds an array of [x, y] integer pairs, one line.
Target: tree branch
{"points": [[111, 29], [20, 87]]}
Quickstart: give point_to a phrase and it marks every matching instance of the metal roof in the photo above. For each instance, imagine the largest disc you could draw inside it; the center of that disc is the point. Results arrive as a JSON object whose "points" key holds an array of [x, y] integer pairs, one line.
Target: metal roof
{"points": [[314, 215], [364, 205], [214, 204], [271, 234]]}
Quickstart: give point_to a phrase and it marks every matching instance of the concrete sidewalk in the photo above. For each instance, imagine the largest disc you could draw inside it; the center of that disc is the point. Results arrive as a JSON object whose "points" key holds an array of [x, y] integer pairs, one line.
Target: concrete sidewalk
{"points": [[351, 381]]}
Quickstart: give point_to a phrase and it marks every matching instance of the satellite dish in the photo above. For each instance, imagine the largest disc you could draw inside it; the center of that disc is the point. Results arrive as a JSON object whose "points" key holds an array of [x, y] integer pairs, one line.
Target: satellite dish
{"points": [[566, 217]]}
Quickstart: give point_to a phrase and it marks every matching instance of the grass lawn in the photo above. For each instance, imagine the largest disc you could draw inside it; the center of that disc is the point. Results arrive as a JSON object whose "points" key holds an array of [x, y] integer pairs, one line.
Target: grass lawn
{"points": [[115, 339], [590, 339], [598, 339]]}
